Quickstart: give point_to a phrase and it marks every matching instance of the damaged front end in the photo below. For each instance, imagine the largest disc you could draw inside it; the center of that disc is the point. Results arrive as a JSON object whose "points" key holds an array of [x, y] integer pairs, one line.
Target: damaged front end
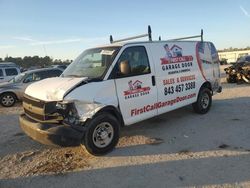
{"points": [[77, 112], [56, 123]]}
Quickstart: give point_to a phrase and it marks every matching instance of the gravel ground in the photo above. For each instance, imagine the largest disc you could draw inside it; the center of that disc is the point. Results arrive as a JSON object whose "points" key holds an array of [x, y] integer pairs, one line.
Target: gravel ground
{"points": [[177, 149]]}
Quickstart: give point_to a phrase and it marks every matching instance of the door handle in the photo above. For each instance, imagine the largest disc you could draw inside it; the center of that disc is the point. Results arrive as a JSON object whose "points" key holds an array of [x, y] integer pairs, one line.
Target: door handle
{"points": [[153, 80]]}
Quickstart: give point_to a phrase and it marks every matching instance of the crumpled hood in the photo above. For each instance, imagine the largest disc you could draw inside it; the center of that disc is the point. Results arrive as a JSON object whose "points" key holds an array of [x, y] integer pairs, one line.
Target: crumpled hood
{"points": [[52, 89]]}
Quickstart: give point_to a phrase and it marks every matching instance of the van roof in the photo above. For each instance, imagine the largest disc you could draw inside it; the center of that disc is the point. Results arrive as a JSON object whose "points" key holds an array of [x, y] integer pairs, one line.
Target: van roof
{"points": [[120, 44]]}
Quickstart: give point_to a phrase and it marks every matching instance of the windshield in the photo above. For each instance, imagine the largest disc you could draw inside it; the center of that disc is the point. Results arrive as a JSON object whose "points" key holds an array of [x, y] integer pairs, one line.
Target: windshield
{"points": [[17, 78], [92, 63]]}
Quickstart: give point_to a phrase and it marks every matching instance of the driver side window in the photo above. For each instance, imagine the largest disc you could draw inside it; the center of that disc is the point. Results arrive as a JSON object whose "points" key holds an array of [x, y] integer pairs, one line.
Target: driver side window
{"points": [[132, 62]]}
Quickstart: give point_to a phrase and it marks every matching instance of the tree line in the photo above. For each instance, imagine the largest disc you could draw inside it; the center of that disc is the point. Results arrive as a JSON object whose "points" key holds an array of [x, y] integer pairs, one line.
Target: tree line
{"points": [[35, 61]]}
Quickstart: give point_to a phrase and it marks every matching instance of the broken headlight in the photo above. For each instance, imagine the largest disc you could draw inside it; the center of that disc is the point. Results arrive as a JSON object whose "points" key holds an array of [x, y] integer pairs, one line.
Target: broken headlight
{"points": [[68, 110], [77, 112]]}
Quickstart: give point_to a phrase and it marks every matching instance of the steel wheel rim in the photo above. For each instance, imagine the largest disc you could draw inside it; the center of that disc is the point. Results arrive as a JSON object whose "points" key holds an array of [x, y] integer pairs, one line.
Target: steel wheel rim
{"points": [[205, 101], [103, 135], [8, 100]]}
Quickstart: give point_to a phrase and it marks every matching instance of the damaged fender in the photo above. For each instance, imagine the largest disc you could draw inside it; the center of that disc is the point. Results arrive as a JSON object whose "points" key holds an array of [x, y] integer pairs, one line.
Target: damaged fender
{"points": [[87, 110], [93, 97]]}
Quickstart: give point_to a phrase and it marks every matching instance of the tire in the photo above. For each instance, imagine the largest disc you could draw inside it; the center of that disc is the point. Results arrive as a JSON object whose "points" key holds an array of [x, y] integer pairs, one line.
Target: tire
{"points": [[7, 99], [204, 101], [231, 79], [109, 127]]}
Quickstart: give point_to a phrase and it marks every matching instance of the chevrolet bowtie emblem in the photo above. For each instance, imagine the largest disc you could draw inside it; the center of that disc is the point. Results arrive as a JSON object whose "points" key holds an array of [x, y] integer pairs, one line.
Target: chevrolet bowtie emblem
{"points": [[30, 106]]}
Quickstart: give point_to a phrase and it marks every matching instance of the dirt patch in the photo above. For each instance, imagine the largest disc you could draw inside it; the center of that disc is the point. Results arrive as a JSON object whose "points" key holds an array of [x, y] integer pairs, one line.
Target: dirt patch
{"points": [[154, 141], [126, 141], [58, 160], [17, 109], [49, 161]]}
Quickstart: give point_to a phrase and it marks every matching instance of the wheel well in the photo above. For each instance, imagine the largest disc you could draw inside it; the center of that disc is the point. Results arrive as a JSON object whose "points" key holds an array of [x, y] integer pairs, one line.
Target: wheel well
{"points": [[10, 93], [207, 85], [113, 111]]}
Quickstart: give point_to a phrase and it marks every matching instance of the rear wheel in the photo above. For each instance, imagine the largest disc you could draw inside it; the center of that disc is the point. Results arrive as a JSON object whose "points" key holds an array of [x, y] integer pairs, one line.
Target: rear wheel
{"points": [[7, 99], [204, 101], [102, 134]]}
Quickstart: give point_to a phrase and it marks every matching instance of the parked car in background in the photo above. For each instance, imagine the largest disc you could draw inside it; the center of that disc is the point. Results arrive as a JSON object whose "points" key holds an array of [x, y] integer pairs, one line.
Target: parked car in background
{"points": [[63, 67], [13, 90], [8, 70], [233, 70]]}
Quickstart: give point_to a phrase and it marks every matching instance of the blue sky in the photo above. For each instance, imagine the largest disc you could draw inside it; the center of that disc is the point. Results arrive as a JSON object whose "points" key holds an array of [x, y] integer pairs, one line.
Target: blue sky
{"points": [[63, 29]]}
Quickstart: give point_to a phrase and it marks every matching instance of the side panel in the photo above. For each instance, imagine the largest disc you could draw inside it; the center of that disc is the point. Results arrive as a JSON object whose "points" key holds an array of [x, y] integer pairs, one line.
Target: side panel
{"points": [[178, 77]]}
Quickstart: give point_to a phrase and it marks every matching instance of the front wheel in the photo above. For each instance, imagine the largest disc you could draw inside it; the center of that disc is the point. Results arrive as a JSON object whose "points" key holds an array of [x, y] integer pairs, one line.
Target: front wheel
{"points": [[102, 134], [7, 99], [204, 101]]}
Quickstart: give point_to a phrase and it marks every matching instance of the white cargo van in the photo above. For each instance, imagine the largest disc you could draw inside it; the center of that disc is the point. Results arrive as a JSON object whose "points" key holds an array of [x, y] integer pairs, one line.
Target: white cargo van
{"points": [[120, 84]]}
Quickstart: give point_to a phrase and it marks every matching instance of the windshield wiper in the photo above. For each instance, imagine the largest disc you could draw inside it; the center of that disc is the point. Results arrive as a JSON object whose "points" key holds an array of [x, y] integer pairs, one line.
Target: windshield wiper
{"points": [[94, 79], [72, 75]]}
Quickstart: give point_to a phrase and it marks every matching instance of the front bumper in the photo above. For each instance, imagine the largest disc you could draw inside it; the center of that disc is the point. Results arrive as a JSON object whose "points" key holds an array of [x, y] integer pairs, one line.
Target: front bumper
{"points": [[51, 134]]}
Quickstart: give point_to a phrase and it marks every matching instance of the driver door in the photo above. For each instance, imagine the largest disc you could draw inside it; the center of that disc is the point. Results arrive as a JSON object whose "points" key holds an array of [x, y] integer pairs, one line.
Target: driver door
{"points": [[135, 85]]}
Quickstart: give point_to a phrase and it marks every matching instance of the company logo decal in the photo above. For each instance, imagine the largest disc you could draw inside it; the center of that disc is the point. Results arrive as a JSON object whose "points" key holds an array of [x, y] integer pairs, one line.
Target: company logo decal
{"points": [[174, 61], [174, 55], [136, 89]]}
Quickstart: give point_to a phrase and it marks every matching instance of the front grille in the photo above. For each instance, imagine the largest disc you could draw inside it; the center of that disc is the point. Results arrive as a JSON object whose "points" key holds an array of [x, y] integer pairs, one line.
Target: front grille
{"points": [[33, 102], [41, 111], [34, 116]]}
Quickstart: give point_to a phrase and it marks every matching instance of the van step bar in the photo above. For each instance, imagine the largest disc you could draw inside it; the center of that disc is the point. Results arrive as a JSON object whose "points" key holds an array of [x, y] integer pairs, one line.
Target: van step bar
{"points": [[149, 35]]}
